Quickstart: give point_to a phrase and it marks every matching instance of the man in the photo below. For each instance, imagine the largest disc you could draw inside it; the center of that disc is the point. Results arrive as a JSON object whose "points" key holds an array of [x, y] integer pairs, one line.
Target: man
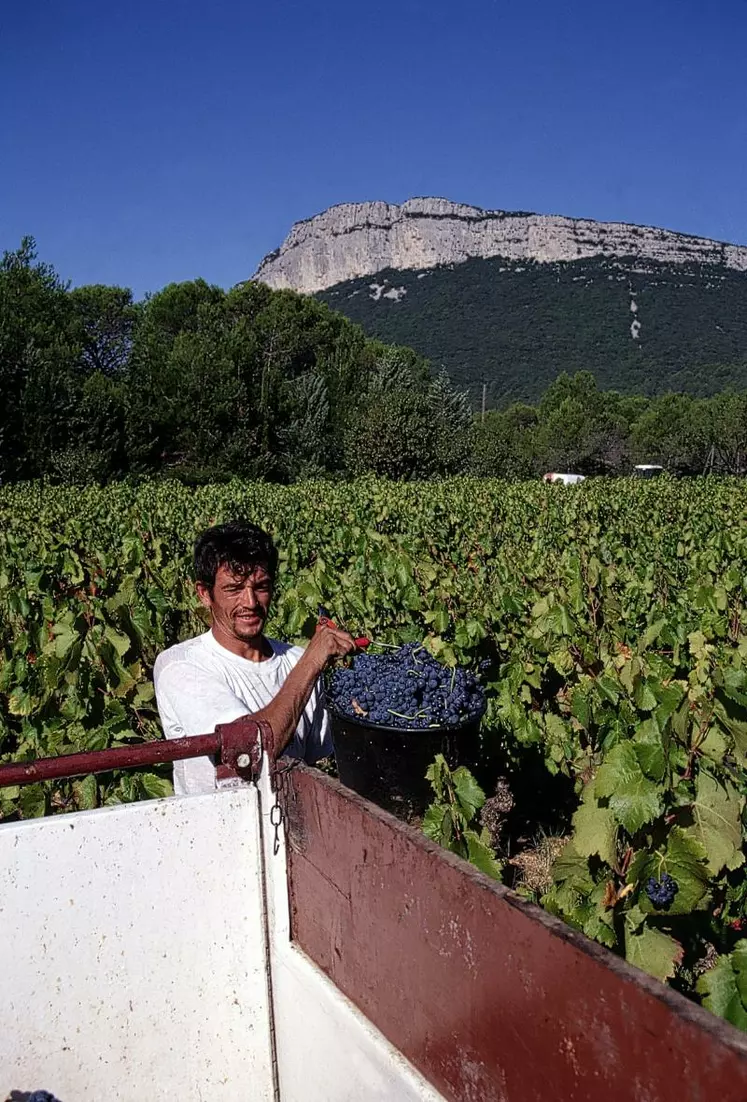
{"points": [[234, 670]]}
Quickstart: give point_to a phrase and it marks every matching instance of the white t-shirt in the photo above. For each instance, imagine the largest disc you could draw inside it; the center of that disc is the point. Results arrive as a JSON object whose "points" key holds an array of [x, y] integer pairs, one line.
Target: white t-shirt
{"points": [[200, 684]]}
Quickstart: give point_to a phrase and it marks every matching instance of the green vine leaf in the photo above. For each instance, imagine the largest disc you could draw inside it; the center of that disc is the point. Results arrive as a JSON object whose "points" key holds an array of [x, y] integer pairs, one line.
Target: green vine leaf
{"points": [[86, 793], [155, 787], [684, 859], [434, 823], [717, 812], [33, 801], [634, 799], [468, 792], [120, 642], [650, 750], [653, 951], [724, 987], [481, 856], [594, 828]]}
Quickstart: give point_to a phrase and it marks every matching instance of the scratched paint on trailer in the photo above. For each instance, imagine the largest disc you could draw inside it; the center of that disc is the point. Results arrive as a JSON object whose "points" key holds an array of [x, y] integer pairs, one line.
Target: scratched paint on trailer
{"points": [[492, 999], [132, 953]]}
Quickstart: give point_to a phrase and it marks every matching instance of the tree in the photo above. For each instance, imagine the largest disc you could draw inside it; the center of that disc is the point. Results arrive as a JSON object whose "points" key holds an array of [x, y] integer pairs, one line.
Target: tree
{"points": [[304, 438], [392, 438], [36, 359], [726, 431], [582, 428], [393, 431], [451, 427], [504, 443], [672, 432], [103, 322], [157, 380]]}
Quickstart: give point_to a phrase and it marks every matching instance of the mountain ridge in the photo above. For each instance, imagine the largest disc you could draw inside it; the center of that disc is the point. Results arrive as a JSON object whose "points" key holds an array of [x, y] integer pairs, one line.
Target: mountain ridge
{"points": [[353, 240]]}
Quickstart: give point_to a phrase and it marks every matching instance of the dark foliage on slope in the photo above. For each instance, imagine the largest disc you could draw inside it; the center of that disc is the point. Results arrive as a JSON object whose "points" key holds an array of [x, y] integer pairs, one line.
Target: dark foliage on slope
{"points": [[516, 325]]}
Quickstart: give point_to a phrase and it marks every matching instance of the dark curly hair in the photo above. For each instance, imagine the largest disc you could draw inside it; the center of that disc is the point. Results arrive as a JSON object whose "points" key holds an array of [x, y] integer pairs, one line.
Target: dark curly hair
{"points": [[238, 545]]}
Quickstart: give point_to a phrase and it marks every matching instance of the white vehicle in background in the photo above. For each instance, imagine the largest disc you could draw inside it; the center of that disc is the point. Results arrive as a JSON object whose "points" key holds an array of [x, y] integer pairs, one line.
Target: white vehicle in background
{"points": [[647, 470], [563, 479]]}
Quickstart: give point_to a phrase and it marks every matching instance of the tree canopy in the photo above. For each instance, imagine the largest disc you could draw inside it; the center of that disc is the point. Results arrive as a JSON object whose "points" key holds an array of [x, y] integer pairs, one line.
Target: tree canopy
{"points": [[204, 384]]}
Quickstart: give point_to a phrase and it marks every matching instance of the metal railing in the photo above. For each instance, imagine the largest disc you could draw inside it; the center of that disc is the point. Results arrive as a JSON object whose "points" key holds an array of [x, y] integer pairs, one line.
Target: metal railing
{"points": [[236, 748]]}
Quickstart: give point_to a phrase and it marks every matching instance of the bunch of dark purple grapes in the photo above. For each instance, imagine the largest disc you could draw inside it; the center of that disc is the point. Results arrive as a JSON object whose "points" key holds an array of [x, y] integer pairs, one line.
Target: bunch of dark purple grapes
{"points": [[406, 688], [662, 892]]}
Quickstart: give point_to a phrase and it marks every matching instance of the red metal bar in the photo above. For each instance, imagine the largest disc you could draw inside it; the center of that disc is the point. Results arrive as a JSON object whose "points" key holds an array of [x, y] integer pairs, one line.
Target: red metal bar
{"points": [[100, 761], [227, 743], [493, 999]]}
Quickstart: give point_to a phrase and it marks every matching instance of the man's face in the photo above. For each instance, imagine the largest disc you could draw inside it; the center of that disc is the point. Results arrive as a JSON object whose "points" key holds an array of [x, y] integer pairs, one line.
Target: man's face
{"points": [[239, 603]]}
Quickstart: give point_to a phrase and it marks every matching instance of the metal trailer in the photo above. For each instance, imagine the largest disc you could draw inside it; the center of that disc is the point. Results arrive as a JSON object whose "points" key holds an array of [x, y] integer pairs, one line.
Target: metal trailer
{"points": [[284, 939]]}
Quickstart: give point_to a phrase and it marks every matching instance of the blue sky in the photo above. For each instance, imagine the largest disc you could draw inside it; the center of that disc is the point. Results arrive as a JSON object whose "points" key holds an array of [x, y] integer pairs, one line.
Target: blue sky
{"points": [[147, 142]]}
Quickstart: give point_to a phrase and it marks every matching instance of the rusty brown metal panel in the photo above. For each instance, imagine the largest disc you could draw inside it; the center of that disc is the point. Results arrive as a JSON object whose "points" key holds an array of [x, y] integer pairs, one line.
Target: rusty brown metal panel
{"points": [[488, 996]]}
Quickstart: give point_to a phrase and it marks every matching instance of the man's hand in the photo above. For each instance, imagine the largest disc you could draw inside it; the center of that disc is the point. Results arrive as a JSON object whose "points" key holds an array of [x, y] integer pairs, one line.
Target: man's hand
{"points": [[284, 711], [327, 643]]}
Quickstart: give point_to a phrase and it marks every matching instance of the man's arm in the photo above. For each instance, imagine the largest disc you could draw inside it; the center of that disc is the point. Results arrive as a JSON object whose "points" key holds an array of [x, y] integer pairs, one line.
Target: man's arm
{"points": [[284, 710]]}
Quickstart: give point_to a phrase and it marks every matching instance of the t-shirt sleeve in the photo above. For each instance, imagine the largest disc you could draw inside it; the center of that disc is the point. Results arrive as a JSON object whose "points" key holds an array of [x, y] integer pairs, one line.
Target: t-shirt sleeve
{"points": [[192, 701]]}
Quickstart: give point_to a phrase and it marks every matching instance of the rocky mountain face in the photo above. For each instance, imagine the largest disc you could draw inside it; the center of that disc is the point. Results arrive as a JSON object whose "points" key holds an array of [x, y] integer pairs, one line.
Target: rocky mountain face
{"points": [[356, 240]]}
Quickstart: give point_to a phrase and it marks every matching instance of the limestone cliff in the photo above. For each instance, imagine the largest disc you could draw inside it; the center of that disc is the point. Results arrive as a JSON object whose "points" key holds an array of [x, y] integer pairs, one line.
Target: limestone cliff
{"points": [[361, 239]]}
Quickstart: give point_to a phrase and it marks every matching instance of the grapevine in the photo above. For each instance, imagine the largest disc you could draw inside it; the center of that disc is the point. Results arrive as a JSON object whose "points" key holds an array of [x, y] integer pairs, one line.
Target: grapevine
{"points": [[609, 626]]}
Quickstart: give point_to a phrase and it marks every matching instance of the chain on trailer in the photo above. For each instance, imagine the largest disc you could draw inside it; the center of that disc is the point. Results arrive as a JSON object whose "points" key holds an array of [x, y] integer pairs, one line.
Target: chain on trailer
{"points": [[282, 790]]}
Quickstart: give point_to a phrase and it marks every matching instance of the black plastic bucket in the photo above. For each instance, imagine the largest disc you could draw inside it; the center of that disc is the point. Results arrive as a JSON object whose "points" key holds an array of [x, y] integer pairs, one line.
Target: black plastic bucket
{"points": [[387, 765]]}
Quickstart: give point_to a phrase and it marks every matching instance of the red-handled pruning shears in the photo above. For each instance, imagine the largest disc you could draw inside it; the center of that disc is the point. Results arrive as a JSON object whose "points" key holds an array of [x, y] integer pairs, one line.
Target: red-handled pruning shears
{"points": [[324, 618]]}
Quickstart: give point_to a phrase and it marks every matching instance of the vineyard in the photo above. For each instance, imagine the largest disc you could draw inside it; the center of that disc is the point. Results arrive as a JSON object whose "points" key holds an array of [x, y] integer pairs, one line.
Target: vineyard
{"points": [[608, 623]]}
